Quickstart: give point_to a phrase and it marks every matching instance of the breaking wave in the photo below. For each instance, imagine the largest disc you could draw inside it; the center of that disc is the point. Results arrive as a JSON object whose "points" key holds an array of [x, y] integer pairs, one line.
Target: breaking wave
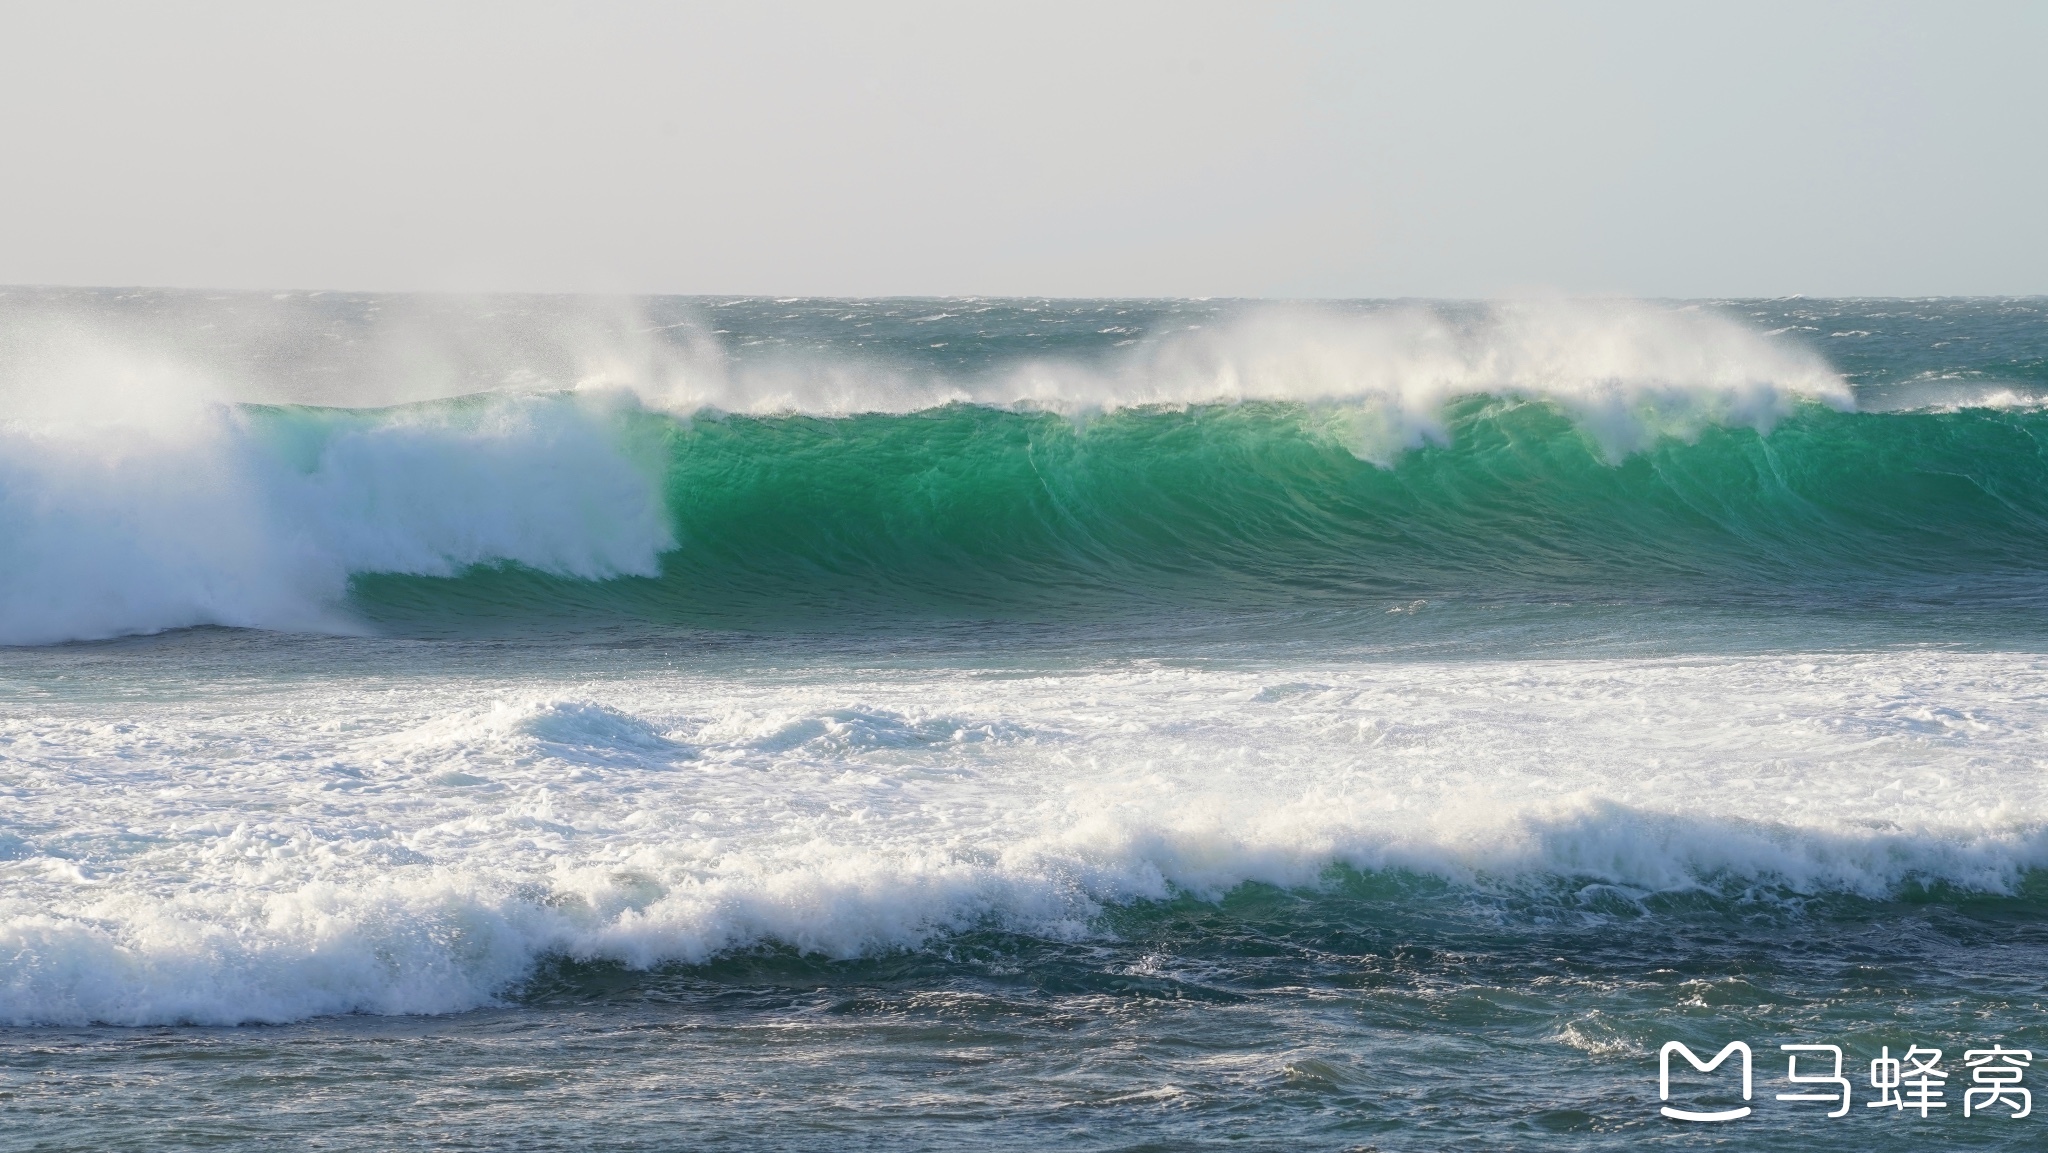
{"points": [[1293, 458]]}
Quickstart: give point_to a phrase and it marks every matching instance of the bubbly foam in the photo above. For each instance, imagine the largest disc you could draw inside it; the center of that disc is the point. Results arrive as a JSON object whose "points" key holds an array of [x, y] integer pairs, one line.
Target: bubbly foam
{"points": [[216, 515], [415, 842]]}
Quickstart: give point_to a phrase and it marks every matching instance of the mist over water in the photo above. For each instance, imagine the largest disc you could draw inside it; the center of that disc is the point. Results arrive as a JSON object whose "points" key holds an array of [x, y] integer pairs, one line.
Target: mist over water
{"points": [[1206, 720]]}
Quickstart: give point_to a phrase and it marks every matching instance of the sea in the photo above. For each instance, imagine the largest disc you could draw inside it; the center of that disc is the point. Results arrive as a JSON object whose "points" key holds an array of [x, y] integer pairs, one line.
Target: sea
{"points": [[549, 723]]}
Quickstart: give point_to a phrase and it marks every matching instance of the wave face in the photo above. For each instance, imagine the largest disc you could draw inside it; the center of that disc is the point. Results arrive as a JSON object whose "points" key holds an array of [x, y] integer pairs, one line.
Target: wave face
{"points": [[972, 511], [1256, 460]]}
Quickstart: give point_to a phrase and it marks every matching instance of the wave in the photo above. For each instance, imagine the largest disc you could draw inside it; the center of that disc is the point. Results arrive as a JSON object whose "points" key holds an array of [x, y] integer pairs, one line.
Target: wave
{"points": [[1292, 459], [423, 938], [407, 843]]}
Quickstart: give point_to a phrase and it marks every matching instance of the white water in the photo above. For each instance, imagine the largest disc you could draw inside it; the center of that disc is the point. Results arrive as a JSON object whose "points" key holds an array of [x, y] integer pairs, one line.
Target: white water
{"points": [[212, 516], [273, 841]]}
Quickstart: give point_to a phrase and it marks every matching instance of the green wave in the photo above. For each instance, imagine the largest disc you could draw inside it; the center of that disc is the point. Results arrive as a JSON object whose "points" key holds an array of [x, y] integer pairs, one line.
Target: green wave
{"points": [[979, 512]]}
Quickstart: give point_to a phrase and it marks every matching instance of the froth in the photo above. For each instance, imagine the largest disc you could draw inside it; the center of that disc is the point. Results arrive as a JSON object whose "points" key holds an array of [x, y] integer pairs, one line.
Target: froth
{"points": [[334, 846], [258, 519]]}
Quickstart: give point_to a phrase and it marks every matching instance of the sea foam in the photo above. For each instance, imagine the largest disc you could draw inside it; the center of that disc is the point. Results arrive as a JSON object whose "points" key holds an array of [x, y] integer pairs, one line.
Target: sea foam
{"points": [[303, 848], [225, 516]]}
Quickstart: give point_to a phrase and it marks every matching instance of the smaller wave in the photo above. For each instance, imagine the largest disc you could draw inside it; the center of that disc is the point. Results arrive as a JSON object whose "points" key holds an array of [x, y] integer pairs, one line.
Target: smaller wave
{"points": [[433, 939], [858, 729], [1964, 397], [569, 731]]}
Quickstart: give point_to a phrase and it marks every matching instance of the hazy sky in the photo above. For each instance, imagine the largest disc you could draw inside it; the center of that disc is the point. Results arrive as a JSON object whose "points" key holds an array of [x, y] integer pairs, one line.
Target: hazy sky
{"points": [[1023, 148]]}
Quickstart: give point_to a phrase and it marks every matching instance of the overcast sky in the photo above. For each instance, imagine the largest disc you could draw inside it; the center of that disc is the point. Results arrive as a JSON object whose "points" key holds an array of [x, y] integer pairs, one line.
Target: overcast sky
{"points": [[1256, 149]]}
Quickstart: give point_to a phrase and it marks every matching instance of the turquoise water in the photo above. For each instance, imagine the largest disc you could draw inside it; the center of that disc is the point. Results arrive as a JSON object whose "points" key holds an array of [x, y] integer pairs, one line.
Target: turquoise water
{"points": [[971, 512], [999, 724]]}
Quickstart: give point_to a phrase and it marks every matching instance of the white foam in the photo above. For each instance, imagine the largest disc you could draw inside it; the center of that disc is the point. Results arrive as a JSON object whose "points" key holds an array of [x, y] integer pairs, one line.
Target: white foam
{"points": [[208, 515], [414, 843], [1955, 396]]}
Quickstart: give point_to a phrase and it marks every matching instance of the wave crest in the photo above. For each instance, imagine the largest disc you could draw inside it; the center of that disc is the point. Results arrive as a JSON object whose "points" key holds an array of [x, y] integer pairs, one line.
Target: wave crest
{"points": [[1628, 372], [427, 939]]}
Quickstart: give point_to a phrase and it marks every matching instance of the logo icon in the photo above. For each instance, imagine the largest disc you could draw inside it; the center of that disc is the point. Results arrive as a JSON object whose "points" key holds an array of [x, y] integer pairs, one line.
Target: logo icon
{"points": [[1664, 1080]]}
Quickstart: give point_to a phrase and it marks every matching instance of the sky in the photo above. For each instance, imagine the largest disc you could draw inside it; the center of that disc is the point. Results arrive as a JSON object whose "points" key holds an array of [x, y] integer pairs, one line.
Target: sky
{"points": [[1043, 148]]}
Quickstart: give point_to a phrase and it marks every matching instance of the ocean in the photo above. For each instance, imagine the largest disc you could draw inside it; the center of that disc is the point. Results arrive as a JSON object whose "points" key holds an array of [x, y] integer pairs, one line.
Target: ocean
{"points": [[721, 723]]}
